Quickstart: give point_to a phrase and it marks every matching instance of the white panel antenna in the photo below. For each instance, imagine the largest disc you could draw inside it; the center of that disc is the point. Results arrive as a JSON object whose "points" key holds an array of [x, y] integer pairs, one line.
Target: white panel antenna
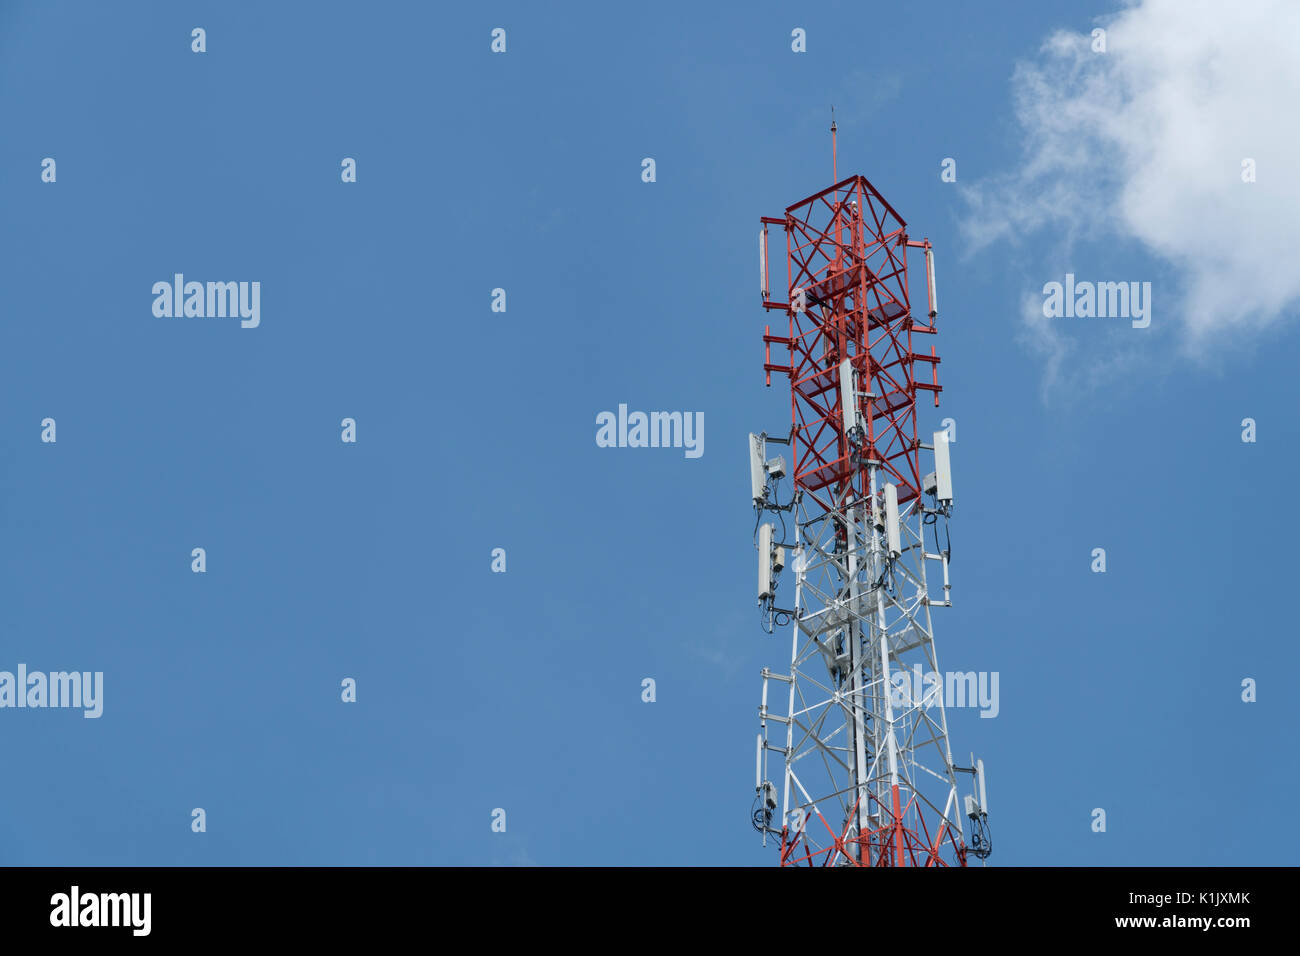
{"points": [[765, 561], [848, 395], [979, 773], [762, 261], [891, 520], [929, 274], [758, 467], [942, 468]]}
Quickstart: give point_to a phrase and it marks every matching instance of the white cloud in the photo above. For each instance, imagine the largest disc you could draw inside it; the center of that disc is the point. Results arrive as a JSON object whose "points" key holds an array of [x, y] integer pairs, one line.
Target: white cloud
{"points": [[1145, 142]]}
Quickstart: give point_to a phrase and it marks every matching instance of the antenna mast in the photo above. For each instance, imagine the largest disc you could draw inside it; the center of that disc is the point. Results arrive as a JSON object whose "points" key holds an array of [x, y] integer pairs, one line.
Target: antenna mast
{"points": [[857, 724], [835, 163]]}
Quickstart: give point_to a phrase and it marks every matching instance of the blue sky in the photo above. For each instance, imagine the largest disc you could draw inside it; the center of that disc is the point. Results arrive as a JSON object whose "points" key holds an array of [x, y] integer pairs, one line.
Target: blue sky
{"points": [[476, 430]]}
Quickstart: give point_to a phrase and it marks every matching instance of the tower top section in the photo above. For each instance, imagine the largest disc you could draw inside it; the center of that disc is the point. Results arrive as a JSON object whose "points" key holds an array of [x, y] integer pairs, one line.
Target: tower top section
{"points": [[857, 355]]}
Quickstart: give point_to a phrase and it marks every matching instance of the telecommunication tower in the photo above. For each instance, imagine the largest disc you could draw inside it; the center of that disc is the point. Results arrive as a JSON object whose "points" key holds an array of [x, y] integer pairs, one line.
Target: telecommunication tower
{"points": [[857, 724]]}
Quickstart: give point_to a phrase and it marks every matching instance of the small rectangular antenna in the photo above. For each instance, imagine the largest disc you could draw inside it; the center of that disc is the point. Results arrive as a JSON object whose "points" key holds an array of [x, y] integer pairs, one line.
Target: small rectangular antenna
{"points": [[762, 261], [984, 800], [942, 468], [929, 275], [848, 395], [765, 561], [758, 764], [758, 467], [891, 520]]}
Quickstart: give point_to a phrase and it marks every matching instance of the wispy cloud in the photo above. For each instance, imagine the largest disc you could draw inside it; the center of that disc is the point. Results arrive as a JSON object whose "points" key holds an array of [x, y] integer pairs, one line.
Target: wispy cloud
{"points": [[1145, 143], [1114, 353]]}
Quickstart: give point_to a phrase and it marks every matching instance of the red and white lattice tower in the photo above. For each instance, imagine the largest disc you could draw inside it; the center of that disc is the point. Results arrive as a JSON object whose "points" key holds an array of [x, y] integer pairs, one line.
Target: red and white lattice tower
{"points": [[858, 722]]}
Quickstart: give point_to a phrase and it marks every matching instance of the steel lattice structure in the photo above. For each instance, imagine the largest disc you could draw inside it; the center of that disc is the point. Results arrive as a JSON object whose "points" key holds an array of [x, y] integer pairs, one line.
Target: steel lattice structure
{"points": [[869, 777]]}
